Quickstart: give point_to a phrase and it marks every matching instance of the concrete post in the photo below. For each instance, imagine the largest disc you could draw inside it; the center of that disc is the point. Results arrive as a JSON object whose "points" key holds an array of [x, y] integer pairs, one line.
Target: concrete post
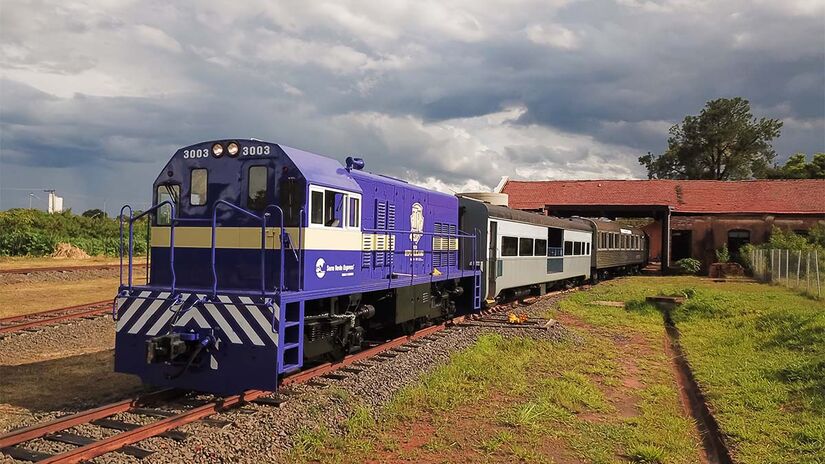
{"points": [[666, 242]]}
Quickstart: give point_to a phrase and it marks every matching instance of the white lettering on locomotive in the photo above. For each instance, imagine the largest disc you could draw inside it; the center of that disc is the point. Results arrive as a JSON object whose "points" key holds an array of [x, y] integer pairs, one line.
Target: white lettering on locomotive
{"points": [[255, 150], [196, 153]]}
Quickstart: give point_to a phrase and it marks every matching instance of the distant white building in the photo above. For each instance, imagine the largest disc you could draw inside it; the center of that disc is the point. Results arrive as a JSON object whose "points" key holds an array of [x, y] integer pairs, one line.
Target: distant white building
{"points": [[55, 202]]}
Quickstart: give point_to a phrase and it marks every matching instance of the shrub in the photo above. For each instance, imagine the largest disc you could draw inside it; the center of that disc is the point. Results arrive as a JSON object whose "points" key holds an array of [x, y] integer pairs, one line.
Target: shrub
{"points": [[25, 242], [34, 232], [783, 240], [722, 254], [689, 265], [745, 255]]}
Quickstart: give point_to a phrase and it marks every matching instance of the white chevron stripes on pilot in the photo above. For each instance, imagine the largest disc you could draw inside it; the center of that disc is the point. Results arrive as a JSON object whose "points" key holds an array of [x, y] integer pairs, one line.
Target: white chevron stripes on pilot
{"points": [[130, 311], [241, 321], [192, 314], [256, 313], [150, 311], [227, 329]]}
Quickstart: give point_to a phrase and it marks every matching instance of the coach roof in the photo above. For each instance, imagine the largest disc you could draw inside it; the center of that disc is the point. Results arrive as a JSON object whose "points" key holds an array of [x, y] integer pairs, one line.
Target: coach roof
{"points": [[503, 212]]}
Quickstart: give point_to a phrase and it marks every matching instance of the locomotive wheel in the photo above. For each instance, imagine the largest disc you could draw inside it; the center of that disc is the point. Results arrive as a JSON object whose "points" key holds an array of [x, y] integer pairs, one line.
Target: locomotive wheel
{"points": [[337, 354], [409, 327]]}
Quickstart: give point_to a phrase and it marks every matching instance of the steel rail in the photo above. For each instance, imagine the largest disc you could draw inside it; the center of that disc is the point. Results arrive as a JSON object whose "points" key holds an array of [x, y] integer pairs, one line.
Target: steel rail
{"points": [[32, 270], [326, 368], [126, 438], [15, 437], [115, 442], [25, 321]]}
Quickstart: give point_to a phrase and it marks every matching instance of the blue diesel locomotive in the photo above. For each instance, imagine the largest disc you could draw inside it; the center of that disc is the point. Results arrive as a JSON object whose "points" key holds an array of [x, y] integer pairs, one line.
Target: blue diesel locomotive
{"points": [[263, 256]]}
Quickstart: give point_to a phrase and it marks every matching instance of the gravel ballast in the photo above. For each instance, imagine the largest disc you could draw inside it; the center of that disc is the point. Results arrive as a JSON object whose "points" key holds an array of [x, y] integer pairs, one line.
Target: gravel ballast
{"points": [[265, 433]]}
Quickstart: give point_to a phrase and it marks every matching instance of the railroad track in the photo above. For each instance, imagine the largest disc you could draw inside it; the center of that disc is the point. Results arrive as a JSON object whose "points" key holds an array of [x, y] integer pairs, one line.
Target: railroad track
{"points": [[157, 405], [32, 270], [53, 316]]}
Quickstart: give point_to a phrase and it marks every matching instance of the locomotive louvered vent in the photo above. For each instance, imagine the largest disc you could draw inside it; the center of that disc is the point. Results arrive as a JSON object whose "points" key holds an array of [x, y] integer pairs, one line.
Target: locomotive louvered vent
{"points": [[381, 215], [391, 235], [452, 254], [437, 229], [366, 253], [381, 224], [425, 297]]}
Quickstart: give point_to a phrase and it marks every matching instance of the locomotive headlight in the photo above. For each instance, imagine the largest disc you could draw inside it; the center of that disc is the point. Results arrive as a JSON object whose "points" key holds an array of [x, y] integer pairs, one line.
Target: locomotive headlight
{"points": [[232, 149], [217, 150]]}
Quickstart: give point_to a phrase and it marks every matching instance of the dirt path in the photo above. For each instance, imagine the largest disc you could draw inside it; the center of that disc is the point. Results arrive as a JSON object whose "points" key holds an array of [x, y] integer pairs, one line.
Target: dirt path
{"points": [[27, 262], [24, 294]]}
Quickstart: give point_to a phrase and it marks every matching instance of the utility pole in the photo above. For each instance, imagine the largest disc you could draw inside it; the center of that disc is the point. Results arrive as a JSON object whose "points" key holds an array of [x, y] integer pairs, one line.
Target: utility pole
{"points": [[31, 197]]}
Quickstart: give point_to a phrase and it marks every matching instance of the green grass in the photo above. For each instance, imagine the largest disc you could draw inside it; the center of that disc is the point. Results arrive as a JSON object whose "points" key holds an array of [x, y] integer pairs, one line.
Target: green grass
{"points": [[516, 399], [757, 351]]}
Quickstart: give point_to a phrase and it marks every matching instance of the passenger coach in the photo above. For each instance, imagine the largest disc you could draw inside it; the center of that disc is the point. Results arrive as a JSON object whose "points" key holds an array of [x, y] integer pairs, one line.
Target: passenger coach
{"points": [[526, 253]]}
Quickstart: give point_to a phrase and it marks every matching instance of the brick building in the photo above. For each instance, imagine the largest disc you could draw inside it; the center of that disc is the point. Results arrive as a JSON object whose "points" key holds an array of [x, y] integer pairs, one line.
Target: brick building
{"points": [[691, 218]]}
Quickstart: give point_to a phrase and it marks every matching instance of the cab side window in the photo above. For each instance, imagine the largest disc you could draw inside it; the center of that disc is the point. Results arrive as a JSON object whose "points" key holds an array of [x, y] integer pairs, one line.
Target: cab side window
{"points": [[334, 208], [354, 212], [317, 214], [163, 215]]}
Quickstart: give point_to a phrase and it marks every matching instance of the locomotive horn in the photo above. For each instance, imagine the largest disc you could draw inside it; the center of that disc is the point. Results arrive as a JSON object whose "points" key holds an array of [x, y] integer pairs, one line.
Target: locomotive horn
{"points": [[355, 163]]}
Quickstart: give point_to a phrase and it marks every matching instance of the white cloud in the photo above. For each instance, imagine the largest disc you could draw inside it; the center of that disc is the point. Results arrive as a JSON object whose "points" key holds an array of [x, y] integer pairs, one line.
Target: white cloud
{"points": [[155, 37], [554, 35]]}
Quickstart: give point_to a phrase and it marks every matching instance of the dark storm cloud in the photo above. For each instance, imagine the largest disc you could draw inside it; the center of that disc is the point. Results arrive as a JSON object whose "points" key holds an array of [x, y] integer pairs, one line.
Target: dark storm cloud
{"points": [[450, 94]]}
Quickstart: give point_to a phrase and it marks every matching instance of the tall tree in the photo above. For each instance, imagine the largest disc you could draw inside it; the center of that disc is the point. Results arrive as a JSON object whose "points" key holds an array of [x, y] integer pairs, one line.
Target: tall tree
{"points": [[723, 142]]}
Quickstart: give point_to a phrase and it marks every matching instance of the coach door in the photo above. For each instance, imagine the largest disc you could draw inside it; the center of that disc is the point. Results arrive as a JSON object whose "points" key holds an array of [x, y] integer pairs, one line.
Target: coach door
{"points": [[492, 264]]}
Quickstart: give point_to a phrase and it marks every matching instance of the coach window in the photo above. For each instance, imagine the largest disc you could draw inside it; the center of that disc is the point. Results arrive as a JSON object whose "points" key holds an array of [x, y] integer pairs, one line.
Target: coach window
{"points": [[541, 247], [509, 246], [577, 248], [525, 247], [587, 248], [256, 198], [169, 193], [568, 248], [555, 241], [197, 187]]}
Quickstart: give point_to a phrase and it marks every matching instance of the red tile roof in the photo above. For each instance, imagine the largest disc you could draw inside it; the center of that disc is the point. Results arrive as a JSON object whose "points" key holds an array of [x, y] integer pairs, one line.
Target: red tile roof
{"points": [[685, 196]]}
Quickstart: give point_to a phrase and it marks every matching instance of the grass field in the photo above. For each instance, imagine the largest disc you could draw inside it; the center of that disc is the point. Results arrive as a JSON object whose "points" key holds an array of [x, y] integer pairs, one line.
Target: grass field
{"points": [[757, 351], [608, 395]]}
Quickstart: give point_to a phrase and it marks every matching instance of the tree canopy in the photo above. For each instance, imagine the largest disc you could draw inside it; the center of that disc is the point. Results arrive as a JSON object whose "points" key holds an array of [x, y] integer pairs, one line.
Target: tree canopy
{"points": [[798, 167], [724, 142], [92, 213]]}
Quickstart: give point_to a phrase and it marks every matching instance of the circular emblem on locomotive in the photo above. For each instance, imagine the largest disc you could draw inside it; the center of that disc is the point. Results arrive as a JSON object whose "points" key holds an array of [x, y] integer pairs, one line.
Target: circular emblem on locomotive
{"points": [[320, 268], [416, 222]]}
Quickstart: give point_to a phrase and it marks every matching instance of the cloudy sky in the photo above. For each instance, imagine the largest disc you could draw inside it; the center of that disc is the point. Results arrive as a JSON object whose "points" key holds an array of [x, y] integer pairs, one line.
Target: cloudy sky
{"points": [[96, 95]]}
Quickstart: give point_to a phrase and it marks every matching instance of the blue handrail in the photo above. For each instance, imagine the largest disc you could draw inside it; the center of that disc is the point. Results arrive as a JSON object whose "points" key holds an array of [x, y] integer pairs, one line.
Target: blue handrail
{"points": [[132, 220], [120, 219], [280, 238]]}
